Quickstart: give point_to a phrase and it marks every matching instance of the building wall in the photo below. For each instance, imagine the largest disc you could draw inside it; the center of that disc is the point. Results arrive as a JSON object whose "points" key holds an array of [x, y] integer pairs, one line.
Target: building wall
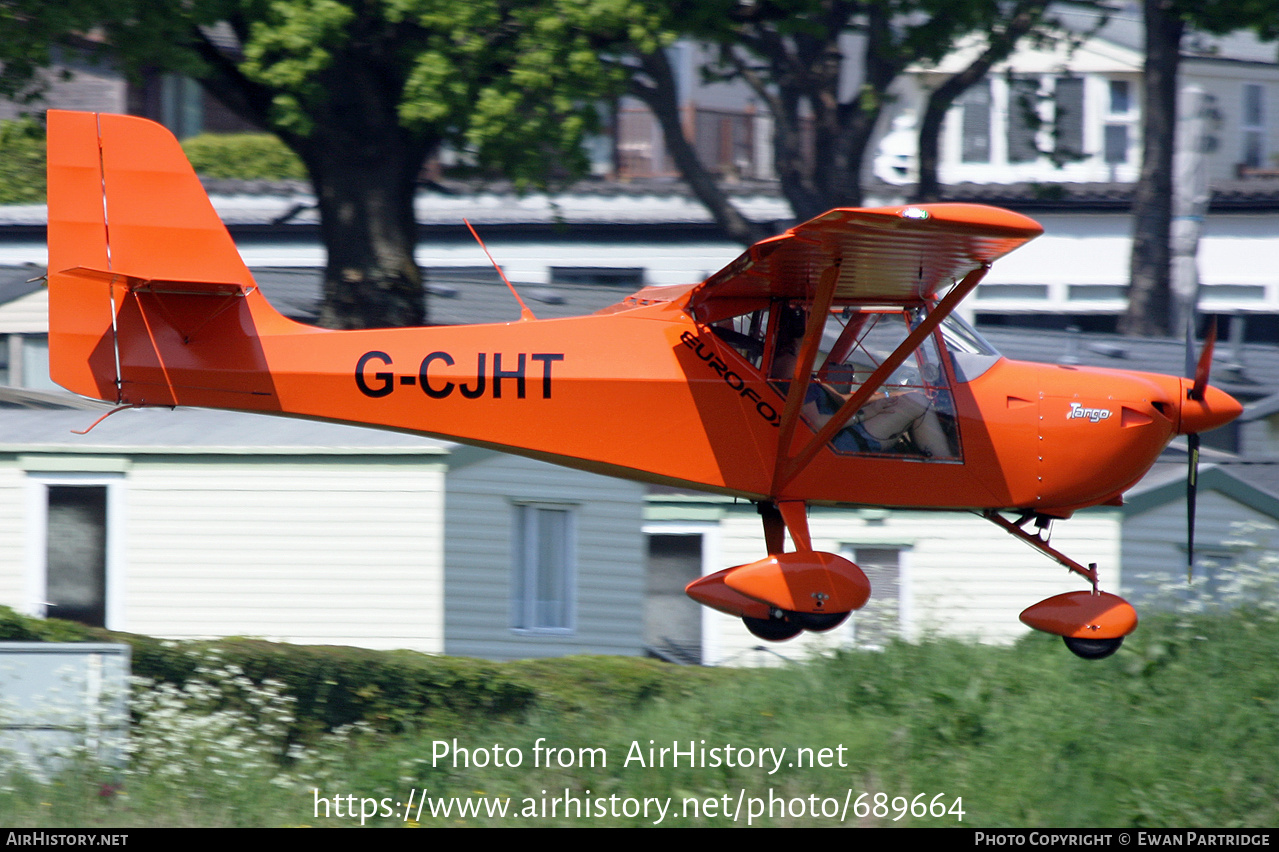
{"points": [[1227, 531], [1243, 116], [958, 575], [12, 535], [1243, 126], [93, 87], [606, 597], [313, 550], [1081, 265]]}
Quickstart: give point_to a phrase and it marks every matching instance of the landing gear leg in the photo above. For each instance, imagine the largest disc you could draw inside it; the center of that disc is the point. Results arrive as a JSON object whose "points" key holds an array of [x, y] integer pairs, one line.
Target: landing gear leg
{"points": [[784, 594], [1093, 623]]}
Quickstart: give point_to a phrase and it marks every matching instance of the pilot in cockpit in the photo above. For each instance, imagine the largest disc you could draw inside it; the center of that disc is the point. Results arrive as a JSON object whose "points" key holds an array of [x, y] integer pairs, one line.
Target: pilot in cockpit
{"points": [[902, 416]]}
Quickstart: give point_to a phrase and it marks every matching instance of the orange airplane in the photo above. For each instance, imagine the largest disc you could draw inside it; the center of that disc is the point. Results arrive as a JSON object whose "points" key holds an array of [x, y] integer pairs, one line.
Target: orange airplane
{"points": [[823, 366]]}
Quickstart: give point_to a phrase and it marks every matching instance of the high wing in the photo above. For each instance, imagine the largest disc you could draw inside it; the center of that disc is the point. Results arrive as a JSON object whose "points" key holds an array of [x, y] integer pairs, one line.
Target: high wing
{"points": [[883, 255], [891, 255]]}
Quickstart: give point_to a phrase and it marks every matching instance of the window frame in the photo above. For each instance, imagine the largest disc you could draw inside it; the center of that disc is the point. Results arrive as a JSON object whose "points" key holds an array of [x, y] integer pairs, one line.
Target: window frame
{"points": [[1252, 128], [525, 567], [36, 585]]}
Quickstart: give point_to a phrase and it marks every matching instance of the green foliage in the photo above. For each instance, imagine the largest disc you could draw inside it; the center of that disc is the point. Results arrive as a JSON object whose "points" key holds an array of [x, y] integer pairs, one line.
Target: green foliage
{"points": [[338, 686], [367, 89], [1223, 16], [15, 627], [245, 156], [22, 163], [1177, 729]]}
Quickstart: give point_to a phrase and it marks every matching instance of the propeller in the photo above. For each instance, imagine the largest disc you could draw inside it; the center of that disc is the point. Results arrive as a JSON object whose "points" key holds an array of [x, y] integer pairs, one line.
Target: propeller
{"points": [[1199, 372]]}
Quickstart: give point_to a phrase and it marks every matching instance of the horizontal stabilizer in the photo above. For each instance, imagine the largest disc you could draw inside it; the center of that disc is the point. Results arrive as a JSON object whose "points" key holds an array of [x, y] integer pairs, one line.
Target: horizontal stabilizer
{"points": [[136, 283]]}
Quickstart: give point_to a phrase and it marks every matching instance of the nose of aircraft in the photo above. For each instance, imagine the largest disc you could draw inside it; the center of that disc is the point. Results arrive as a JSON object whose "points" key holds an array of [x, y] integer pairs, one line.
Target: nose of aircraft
{"points": [[1217, 408]]}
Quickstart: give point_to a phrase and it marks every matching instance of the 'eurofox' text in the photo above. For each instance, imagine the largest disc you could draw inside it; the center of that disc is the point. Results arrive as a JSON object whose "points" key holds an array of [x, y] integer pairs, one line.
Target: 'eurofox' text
{"points": [[694, 754]]}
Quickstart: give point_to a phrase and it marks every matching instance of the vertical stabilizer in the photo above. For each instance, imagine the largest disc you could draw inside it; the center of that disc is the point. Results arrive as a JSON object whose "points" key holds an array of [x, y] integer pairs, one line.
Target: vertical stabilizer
{"points": [[138, 258], [80, 311]]}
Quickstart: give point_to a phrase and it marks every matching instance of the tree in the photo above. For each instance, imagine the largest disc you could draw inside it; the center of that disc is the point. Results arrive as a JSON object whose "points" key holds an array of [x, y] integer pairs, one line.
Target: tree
{"points": [[1005, 26], [1149, 291], [652, 80], [792, 54], [1166, 22], [363, 91], [796, 56]]}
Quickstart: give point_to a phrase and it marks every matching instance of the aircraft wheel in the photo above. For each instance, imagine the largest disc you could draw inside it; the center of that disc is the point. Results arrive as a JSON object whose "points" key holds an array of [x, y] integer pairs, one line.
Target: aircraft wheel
{"points": [[818, 622], [1092, 649], [772, 629]]}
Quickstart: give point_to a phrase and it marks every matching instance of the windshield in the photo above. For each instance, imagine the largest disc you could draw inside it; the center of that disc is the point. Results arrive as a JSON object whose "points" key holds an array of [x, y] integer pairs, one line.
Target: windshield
{"points": [[962, 337], [970, 353]]}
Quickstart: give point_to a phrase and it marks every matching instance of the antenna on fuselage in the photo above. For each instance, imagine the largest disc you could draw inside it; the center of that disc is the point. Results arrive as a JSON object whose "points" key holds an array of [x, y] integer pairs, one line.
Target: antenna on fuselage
{"points": [[525, 313]]}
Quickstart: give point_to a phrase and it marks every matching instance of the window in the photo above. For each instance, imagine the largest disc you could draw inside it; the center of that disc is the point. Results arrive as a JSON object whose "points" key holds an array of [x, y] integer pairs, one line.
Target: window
{"points": [[76, 554], [1120, 97], [24, 361], [1117, 132], [599, 276], [911, 413], [544, 569], [673, 620], [73, 566], [1115, 144], [1023, 120], [975, 106], [1068, 134], [880, 621], [1253, 126]]}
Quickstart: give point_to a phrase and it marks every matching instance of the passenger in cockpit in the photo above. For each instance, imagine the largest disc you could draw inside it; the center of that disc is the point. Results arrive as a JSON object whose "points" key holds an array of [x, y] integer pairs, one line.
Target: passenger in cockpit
{"points": [[902, 421]]}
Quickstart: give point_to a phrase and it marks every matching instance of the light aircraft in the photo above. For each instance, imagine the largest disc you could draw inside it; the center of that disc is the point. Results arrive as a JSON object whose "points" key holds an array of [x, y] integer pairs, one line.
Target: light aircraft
{"points": [[823, 366]]}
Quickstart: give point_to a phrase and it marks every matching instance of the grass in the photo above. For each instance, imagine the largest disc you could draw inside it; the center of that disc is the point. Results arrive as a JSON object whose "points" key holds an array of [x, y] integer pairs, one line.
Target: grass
{"points": [[1179, 729]]}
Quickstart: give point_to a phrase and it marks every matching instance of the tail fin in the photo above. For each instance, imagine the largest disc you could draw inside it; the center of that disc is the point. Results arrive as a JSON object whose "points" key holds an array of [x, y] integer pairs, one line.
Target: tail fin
{"points": [[140, 269]]}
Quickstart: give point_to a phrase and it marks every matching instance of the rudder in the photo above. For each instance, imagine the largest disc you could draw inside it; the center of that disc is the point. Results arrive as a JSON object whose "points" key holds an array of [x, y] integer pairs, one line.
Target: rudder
{"points": [[135, 251]]}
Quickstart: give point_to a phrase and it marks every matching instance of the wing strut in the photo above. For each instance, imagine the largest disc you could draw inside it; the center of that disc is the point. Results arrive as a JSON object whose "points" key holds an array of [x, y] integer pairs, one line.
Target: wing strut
{"points": [[788, 468], [822, 301]]}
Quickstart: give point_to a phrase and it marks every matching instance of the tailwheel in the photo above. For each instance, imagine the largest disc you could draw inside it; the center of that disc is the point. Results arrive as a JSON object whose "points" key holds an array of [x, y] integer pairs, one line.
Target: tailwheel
{"points": [[772, 629], [1092, 649], [818, 622]]}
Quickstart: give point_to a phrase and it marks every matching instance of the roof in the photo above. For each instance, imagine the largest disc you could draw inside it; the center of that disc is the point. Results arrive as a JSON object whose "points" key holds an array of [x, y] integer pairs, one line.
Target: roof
{"points": [[18, 281], [291, 206], [31, 422], [1236, 196], [1123, 26], [640, 210], [1252, 483]]}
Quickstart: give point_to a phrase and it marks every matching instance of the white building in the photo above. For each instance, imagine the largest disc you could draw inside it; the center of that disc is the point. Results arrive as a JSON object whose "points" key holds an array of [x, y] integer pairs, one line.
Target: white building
{"points": [[946, 573], [192, 524], [1071, 113]]}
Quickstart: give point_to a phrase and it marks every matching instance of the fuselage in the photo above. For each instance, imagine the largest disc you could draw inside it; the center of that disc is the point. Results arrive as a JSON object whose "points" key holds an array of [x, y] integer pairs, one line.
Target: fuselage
{"points": [[838, 328], [645, 391]]}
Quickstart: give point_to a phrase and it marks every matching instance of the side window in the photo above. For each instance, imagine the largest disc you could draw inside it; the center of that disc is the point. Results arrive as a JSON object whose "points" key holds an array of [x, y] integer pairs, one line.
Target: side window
{"points": [[745, 333], [911, 414]]}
